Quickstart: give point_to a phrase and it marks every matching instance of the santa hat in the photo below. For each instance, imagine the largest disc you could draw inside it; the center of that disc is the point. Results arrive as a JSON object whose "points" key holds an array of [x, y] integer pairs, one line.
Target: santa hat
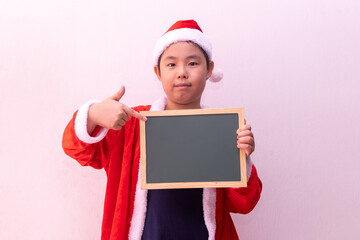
{"points": [[186, 30]]}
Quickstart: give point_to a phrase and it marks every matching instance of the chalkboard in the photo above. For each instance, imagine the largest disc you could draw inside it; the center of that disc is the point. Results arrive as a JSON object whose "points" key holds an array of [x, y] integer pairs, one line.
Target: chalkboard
{"points": [[192, 149]]}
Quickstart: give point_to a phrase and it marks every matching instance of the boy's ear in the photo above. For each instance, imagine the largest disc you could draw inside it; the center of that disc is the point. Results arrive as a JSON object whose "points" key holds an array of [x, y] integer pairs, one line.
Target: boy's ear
{"points": [[211, 68], [157, 72]]}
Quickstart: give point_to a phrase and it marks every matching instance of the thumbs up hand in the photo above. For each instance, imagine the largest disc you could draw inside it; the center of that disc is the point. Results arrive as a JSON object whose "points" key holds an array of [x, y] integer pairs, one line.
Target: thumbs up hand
{"points": [[111, 113]]}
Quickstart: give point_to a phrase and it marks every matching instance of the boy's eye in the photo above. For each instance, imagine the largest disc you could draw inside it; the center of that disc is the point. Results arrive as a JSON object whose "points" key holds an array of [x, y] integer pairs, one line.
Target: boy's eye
{"points": [[193, 63], [171, 64]]}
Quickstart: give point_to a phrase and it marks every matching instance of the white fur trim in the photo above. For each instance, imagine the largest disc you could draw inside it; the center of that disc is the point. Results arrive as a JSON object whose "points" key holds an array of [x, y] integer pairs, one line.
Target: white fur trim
{"points": [[249, 165], [159, 104], [140, 204], [179, 35], [209, 208], [81, 125], [139, 214]]}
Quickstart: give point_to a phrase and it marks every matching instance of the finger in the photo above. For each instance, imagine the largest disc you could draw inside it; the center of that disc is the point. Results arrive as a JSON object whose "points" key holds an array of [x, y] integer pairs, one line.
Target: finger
{"points": [[246, 127], [134, 113], [121, 122], [247, 148], [243, 128], [119, 94], [118, 124], [123, 114], [125, 117], [246, 140], [245, 133], [117, 127]]}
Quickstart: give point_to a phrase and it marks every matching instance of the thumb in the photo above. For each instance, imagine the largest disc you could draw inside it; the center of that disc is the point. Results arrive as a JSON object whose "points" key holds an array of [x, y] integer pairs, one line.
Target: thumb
{"points": [[117, 96]]}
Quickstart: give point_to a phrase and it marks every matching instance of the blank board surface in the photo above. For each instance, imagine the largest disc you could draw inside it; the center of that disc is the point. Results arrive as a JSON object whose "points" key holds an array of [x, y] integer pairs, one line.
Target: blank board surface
{"points": [[191, 148]]}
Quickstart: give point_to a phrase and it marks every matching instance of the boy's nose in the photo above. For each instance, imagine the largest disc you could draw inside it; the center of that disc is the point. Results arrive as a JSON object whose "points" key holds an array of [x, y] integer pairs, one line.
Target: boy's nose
{"points": [[182, 73]]}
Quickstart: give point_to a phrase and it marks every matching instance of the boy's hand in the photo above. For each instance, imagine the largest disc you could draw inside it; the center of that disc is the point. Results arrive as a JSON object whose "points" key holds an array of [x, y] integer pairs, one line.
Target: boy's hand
{"points": [[246, 139], [111, 113]]}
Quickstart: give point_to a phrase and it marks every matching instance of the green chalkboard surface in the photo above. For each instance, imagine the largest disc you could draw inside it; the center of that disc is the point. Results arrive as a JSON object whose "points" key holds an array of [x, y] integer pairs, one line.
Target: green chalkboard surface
{"points": [[191, 149]]}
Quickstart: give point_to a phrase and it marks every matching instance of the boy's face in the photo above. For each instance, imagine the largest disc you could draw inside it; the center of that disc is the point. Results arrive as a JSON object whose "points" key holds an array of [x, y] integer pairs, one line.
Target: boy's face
{"points": [[183, 73]]}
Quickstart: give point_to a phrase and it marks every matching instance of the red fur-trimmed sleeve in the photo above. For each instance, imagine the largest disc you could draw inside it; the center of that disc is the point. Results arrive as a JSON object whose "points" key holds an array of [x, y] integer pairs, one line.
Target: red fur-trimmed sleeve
{"points": [[95, 155], [243, 200]]}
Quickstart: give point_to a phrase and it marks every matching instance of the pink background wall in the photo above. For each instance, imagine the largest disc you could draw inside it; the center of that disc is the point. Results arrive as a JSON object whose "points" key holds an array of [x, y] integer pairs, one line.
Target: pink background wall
{"points": [[293, 65]]}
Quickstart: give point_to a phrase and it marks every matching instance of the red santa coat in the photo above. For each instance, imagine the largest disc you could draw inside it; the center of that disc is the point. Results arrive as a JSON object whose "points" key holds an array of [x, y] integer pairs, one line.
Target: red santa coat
{"points": [[118, 152]]}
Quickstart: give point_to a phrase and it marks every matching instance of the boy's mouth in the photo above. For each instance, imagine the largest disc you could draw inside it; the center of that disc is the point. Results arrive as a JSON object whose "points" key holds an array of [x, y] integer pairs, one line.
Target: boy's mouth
{"points": [[182, 85]]}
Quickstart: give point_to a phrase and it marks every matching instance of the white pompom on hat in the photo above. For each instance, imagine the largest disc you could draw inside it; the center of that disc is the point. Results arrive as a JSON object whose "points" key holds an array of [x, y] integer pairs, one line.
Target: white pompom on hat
{"points": [[186, 30]]}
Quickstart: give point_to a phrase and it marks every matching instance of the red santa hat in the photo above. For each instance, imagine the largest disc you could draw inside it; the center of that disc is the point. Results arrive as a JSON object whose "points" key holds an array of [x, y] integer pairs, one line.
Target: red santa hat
{"points": [[185, 30]]}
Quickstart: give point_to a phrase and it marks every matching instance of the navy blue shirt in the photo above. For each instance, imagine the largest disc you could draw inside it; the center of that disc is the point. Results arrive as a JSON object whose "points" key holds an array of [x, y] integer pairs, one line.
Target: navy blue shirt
{"points": [[174, 214]]}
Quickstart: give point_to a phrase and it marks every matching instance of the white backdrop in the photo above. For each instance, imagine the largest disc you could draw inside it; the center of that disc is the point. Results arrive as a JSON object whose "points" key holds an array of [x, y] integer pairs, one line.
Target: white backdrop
{"points": [[293, 65]]}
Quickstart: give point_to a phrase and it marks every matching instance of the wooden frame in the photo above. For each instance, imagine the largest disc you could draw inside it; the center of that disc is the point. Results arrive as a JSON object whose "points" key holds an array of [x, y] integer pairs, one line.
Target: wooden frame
{"points": [[211, 184]]}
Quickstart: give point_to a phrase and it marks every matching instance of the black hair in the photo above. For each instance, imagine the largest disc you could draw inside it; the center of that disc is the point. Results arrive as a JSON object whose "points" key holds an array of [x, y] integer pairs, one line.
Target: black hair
{"points": [[202, 50]]}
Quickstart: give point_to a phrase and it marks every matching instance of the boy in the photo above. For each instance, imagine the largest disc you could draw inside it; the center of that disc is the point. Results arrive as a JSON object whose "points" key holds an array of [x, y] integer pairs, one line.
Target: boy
{"points": [[183, 63]]}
